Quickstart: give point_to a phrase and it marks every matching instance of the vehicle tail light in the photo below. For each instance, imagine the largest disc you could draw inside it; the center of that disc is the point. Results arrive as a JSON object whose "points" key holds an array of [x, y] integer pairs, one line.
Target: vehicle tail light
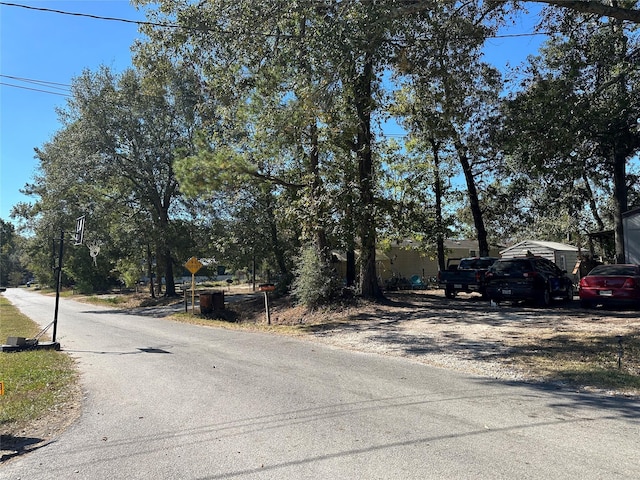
{"points": [[529, 274], [630, 283], [592, 282]]}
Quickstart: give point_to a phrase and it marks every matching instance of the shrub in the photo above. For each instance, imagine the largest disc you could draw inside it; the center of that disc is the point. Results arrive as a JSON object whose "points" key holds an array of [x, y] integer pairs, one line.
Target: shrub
{"points": [[315, 282]]}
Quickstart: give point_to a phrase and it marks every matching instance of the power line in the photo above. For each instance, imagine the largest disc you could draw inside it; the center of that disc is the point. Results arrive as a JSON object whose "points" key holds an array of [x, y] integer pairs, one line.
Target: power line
{"points": [[35, 89], [50, 86], [171, 25], [43, 83], [88, 15]]}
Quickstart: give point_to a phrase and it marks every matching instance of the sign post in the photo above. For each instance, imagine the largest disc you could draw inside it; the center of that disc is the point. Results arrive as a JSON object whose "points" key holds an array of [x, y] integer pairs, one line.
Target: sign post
{"points": [[193, 265], [266, 288]]}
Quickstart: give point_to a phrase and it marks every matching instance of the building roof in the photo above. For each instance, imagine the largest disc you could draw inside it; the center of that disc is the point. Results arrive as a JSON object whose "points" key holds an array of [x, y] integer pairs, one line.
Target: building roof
{"points": [[631, 213], [528, 244], [448, 244]]}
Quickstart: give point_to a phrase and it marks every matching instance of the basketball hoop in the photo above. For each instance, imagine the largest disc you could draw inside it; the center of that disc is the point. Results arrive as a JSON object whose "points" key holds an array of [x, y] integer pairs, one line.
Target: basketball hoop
{"points": [[79, 235], [94, 250]]}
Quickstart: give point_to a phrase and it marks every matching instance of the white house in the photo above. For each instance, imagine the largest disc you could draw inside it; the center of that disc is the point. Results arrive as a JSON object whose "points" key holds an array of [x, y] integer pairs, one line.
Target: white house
{"points": [[631, 228], [565, 256]]}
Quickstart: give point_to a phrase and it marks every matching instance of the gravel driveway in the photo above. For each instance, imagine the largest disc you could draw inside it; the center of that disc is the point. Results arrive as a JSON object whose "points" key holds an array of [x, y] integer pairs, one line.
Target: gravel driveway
{"points": [[468, 334]]}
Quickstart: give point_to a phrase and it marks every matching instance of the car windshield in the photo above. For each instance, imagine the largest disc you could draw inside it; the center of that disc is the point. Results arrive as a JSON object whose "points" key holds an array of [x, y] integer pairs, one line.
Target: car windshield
{"points": [[624, 270], [512, 266]]}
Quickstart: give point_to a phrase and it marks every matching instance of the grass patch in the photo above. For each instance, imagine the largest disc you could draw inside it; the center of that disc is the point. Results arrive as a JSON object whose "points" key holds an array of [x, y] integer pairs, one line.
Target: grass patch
{"points": [[229, 322], [106, 300], [589, 361], [35, 382], [13, 323]]}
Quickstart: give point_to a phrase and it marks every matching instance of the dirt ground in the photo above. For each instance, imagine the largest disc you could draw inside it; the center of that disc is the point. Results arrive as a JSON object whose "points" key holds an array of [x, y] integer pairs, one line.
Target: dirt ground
{"points": [[597, 349]]}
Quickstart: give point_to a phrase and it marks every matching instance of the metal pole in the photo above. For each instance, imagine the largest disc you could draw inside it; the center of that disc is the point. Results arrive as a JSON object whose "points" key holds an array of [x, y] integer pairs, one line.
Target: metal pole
{"points": [[58, 281], [253, 266], [266, 306], [193, 294]]}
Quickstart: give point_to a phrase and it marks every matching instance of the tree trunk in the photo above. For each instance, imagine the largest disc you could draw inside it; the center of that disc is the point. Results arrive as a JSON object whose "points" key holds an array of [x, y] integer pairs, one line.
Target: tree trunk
{"points": [[278, 252], [152, 290], [474, 202], [351, 267], [170, 284], [438, 191], [350, 243], [592, 202], [165, 251], [623, 145], [620, 203], [320, 236], [369, 287], [159, 274]]}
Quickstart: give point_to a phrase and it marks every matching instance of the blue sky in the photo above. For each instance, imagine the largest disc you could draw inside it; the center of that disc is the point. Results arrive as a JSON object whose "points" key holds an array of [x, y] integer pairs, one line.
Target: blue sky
{"points": [[52, 47], [55, 48]]}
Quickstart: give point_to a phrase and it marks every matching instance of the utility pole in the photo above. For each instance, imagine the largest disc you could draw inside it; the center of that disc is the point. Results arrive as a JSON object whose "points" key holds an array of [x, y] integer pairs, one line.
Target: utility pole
{"points": [[58, 270]]}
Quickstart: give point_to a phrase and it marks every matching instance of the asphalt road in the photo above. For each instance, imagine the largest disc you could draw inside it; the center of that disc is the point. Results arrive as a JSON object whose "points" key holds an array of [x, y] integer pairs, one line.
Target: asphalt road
{"points": [[166, 400]]}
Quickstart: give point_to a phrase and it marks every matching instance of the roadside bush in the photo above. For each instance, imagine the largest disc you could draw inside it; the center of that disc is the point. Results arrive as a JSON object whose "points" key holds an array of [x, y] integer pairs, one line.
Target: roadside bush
{"points": [[315, 283]]}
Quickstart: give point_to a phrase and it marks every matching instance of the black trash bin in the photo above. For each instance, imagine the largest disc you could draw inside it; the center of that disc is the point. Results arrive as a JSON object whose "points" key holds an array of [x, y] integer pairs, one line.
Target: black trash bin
{"points": [[211, 301]]}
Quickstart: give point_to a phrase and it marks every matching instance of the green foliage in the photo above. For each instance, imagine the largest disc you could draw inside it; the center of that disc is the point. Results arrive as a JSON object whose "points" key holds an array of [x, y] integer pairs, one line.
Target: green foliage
{"points": [[315, 282], [130, 271], [12, 269], [113, 162], [571, 133]]}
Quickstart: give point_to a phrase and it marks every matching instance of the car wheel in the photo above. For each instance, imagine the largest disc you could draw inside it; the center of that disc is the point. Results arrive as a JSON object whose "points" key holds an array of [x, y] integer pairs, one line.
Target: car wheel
{"points": [[569, 296], [545, 297], [449, 293]]}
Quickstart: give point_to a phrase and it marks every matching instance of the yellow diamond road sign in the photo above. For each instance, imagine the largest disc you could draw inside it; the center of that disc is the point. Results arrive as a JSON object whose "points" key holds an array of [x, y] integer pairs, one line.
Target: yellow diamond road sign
{"points": [[193, 265]]}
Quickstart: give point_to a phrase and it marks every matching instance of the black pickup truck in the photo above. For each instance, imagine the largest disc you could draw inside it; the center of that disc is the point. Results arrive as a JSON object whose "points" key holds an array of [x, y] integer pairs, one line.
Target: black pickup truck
{"points": [[465, 275]]}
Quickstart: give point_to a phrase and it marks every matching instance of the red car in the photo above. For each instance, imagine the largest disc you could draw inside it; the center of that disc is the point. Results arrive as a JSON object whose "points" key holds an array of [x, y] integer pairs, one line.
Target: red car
{"points": [[611, 284]]}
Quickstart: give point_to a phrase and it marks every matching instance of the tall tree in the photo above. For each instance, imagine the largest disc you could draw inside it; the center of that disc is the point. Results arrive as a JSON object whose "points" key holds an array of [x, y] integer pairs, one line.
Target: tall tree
{"points": [[455, 91], [113, 161], [614, 9], [587, 76], [245, 43]]}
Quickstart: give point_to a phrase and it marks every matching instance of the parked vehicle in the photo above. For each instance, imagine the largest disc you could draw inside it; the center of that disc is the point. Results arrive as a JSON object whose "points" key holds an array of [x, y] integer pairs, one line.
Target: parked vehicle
{"points": [[465, 275], [528, 278], [611, 284]]}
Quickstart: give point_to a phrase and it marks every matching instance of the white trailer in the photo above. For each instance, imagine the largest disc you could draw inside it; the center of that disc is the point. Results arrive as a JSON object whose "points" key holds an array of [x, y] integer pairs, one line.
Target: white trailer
{"points": [[565, 256], [631, 228]]}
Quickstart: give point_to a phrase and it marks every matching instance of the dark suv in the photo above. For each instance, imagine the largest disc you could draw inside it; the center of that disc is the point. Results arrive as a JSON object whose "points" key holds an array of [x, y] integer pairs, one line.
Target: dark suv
{"points": [[528, 278]]}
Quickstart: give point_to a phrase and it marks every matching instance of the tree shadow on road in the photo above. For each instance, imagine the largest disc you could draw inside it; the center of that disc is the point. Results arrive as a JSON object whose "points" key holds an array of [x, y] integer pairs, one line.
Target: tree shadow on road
{"points": [[12, 446]]}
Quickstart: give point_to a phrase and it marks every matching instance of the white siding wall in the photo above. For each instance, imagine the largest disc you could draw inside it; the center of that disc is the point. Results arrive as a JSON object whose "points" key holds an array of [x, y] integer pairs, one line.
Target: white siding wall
{"points": [[631, 225]]}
